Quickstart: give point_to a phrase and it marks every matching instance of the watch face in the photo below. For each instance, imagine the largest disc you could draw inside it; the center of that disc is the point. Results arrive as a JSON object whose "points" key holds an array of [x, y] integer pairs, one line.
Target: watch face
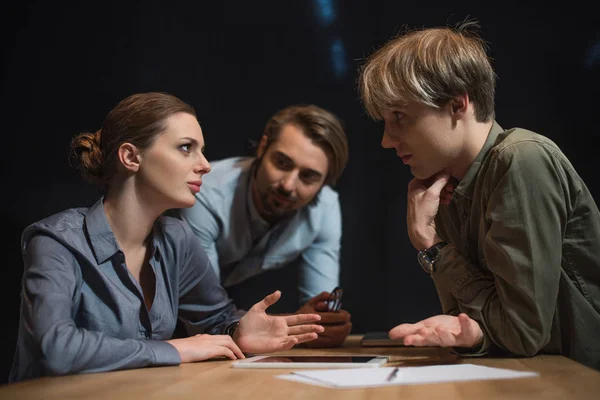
{"points": [[427, 257], [425, 261]]}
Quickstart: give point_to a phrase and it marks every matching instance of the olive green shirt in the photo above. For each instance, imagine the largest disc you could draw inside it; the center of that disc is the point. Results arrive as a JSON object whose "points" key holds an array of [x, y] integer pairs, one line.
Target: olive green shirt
{"points": [[523, 258]]}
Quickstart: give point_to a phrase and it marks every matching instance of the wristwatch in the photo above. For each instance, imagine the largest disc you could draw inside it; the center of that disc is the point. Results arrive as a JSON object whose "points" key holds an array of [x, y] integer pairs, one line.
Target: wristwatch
{"points": [[427, 257], [230, 330]]}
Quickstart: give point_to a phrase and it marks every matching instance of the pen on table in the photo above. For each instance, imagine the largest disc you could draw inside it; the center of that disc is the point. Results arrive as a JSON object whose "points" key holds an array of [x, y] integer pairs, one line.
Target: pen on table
{"points": [[392, 375]]}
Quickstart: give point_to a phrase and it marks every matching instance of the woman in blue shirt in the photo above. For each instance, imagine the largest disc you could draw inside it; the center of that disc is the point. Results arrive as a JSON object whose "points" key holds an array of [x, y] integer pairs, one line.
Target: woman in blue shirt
{"points": [[104, 287]]}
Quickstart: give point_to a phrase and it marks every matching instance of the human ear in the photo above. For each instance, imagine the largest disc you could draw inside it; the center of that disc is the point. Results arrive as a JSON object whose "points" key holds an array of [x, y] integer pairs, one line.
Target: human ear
{"points": [[459, 104], [262, 146], [129, 156]]}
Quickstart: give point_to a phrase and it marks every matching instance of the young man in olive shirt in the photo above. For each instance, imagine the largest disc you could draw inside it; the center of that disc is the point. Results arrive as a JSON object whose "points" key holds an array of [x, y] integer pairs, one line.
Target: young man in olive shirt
{"points": [[506, 228]]}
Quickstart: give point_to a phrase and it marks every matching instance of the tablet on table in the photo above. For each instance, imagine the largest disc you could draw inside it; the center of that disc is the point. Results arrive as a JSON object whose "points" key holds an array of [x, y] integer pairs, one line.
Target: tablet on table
{"points": [[300, 361]]}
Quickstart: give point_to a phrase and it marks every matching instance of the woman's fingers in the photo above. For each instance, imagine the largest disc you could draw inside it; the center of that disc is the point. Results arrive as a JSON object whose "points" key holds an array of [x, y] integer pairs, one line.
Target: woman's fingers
{"points": [[288, 343], [299, 319], [300, 329], [203, 347], [224, 351], [235, 349], [224, 341], [267, 302], [305, 337]]}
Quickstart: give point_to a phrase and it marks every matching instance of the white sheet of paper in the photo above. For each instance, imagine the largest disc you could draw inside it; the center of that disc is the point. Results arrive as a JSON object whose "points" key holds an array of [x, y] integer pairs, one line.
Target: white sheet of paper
{"points": [[301, 379], [351, 378]]}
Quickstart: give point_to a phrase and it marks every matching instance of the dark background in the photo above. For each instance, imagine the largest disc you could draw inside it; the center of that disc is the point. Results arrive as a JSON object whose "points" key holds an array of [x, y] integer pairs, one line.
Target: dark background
{"points": [[238, 62]]}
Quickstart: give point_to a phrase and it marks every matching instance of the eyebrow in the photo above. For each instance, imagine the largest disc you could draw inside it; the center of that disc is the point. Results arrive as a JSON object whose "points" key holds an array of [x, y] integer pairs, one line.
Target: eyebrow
{"points": [[314, 173], [310, 170], [399, 106], [194, 142]]}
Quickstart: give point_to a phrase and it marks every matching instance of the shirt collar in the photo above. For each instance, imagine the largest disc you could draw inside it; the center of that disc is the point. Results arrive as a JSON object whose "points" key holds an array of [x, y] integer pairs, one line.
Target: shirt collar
{"points": [[102, 238], [465, 186]]}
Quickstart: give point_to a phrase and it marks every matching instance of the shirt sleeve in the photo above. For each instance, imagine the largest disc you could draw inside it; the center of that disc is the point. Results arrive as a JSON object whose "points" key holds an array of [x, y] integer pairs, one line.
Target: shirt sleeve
{"points": [[49, 283], [205, 226], [447, 300], [319, 268], [514, 297], [204, 306]]}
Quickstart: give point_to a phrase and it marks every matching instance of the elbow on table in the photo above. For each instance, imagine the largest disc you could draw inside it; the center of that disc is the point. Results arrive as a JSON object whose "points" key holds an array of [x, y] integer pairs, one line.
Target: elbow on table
{"points": [[526, 345], [55, 366], [57, 359], [525, 351]]}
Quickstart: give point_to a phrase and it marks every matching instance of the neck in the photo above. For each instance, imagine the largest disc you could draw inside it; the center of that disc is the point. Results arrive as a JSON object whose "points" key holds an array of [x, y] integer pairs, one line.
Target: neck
{"points": [[475, 135], [129, 216]]}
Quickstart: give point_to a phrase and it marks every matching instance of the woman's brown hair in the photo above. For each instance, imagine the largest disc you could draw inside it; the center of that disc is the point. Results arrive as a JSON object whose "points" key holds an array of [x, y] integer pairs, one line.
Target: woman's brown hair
{"points": [[137, 119]]}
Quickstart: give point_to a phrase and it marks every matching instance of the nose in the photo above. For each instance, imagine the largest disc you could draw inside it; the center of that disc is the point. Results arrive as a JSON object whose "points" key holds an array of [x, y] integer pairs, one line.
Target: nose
{"points": [[288, 181], [202, 166], [386, 141]]}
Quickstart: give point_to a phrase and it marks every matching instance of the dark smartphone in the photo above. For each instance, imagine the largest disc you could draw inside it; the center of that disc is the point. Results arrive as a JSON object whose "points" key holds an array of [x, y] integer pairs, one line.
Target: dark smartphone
{"points": [[334, 302]]}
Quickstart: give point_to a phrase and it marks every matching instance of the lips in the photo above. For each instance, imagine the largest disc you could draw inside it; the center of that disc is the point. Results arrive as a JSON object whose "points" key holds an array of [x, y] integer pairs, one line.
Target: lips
{"points": [[281, 199], [195, 186], [406, 158]]}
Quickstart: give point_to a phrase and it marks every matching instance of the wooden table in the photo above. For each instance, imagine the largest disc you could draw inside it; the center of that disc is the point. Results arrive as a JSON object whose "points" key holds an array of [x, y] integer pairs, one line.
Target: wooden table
{"points": [[561, 378]]}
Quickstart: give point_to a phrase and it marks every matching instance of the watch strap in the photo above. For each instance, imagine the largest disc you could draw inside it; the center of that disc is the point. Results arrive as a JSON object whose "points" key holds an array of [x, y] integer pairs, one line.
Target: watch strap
{"points": [[435, 249], [230, 330], [427, 256]]}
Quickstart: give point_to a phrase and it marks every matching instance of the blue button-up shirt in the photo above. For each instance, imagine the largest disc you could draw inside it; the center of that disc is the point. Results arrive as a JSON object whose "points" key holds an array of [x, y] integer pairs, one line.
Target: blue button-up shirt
{"points": [[83, 311], [241, 244]]}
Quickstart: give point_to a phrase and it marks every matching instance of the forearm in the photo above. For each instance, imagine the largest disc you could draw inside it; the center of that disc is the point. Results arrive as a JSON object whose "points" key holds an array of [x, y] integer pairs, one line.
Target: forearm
{"points": [[319, 270], [317, 273], [204, 306], [447, 301], [67, 349], [213, 320], [521, 329]]}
